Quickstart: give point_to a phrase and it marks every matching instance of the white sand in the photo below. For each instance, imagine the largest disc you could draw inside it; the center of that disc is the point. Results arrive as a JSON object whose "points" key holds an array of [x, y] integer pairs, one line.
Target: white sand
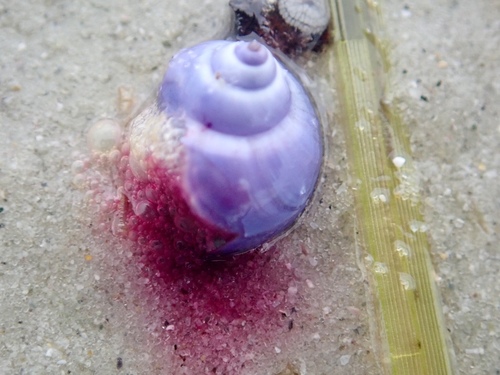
{"points": [[66, 300]]}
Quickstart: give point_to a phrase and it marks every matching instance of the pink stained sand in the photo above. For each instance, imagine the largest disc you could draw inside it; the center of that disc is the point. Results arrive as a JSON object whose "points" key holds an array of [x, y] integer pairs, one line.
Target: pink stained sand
{"points": [[218, 316]]}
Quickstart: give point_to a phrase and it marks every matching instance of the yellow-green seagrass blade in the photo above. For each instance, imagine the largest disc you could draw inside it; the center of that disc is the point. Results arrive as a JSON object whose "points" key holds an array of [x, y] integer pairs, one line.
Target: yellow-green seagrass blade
{"points": [[391, 232]]}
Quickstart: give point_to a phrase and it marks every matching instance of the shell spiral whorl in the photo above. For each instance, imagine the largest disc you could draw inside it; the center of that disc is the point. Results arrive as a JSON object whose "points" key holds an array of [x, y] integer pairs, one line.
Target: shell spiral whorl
{"points": [[221, 83], [237, 135]]}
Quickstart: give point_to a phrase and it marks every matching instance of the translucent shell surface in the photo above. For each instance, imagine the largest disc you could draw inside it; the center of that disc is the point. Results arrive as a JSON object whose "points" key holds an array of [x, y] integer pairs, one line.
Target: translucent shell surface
{"points": [[237, 136], [294, 27]]}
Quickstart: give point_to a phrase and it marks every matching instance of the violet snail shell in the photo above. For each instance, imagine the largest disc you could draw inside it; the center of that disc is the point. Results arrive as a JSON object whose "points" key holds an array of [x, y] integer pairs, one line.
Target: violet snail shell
{"points": [[237, 136]]}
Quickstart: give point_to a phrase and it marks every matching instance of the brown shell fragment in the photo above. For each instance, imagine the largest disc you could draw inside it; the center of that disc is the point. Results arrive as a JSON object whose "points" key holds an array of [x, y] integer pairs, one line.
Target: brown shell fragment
{"points": [[292, 26], [308, 16]]}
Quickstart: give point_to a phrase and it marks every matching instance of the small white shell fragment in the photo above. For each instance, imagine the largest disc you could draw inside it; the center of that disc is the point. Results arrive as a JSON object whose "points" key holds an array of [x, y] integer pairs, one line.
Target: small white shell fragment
{"points": [[104, 136], [398, 161]]}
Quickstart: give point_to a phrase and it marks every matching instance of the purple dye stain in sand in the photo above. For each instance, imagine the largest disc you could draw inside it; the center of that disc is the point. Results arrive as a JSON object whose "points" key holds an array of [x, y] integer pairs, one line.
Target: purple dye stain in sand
{"points": [[223, 162]]}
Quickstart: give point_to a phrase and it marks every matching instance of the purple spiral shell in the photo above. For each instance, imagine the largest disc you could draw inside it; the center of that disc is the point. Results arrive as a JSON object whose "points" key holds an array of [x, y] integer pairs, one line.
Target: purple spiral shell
{"points": [[238, 134]]}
